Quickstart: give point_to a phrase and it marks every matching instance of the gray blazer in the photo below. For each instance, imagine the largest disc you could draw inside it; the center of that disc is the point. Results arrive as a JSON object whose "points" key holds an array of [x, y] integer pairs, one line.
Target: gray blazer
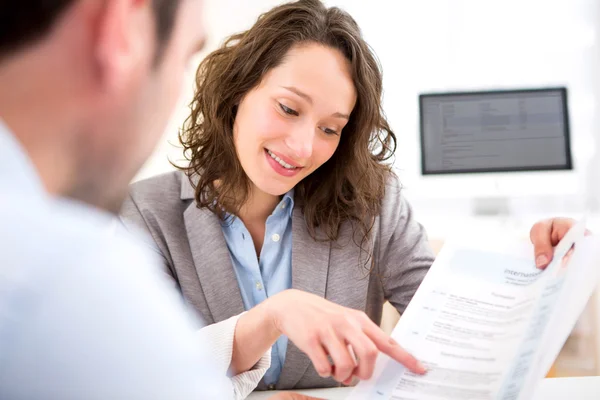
{"points": [[191, 242]]}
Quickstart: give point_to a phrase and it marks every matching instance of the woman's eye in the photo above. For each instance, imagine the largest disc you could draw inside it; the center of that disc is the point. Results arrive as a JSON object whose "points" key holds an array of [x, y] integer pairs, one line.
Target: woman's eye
{"points": [[329, 131], [288, 110]]}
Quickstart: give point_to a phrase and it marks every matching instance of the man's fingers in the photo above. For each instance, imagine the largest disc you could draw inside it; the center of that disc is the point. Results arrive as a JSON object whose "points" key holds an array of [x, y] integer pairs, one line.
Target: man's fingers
{"points": [[293, 396], [541, 237]]}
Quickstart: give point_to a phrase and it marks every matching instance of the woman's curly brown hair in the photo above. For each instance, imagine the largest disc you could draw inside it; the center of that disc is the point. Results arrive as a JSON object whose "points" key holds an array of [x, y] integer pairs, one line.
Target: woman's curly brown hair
{"points": [[350, 185]]}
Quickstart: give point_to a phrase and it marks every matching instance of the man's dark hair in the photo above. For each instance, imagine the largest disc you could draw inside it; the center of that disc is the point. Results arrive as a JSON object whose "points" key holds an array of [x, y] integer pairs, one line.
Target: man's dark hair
{"points": [[22, 22]]}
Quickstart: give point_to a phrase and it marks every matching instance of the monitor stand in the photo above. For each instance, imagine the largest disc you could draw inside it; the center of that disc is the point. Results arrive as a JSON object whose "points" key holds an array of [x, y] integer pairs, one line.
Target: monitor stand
{"points": [[495, 204], [491, 206]]}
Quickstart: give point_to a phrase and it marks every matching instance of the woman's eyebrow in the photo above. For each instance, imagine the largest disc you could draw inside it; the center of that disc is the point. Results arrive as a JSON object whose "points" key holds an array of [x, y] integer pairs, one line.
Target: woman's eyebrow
{"points": [[306, 97]]}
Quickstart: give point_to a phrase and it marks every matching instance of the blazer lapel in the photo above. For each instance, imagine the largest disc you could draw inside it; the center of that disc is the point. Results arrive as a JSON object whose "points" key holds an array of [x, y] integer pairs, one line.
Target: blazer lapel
{"points": [[310, 266], [213, 263]]}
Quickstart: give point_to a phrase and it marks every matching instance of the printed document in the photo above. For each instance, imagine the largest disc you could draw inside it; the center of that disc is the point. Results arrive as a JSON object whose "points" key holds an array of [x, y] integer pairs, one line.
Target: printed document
{"points": [[486, 322]]}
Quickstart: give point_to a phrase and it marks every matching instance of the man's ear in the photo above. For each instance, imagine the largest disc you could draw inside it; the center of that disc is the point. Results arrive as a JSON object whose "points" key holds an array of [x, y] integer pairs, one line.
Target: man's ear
{"points": [[124, 41]]}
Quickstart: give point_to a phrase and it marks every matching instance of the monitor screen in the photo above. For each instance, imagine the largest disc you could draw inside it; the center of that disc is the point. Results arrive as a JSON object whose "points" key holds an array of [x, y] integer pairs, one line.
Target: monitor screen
{"points": [[495, 131]]}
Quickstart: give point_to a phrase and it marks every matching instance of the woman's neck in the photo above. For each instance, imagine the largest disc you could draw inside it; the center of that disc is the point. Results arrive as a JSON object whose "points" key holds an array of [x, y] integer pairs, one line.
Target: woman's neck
{"points": [[258, 206]]}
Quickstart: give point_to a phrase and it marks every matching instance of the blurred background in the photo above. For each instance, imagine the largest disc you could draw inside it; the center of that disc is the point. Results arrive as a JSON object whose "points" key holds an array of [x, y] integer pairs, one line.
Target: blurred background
{"points": [[468, 45]]}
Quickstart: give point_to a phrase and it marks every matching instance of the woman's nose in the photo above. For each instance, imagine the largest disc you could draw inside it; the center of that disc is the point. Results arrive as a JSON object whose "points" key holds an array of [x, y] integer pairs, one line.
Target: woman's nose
{"points": [[300, 142]]}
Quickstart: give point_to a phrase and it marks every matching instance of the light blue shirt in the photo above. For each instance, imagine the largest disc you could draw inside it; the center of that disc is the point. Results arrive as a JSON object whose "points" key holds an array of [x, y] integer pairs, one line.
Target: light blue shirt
{"points": [[260, 278], [84, 311]]}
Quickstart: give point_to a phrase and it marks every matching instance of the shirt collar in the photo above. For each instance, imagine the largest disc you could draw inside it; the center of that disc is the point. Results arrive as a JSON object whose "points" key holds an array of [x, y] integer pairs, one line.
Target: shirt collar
{"points": [[188, 192], [286, 204], [16, 168]]}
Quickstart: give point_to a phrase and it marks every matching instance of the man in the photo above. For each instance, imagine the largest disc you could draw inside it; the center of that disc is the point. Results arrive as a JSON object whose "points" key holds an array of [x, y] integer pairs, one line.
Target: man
{"points": [[86, 87]]}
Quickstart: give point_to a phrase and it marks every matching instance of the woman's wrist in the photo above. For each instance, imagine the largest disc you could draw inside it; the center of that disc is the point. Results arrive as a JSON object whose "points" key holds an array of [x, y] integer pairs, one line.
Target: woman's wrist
{"points": [[272, 312], [255, 333]]}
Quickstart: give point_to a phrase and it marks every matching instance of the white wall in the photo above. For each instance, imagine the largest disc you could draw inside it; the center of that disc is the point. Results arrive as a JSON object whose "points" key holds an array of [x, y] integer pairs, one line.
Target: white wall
{"points": [[594, 168], [427, 45]]}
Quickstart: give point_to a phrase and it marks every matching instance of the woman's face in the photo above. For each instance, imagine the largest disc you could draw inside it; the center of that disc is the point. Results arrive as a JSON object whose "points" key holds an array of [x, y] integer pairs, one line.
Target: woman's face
{"points": [[290, 124]]}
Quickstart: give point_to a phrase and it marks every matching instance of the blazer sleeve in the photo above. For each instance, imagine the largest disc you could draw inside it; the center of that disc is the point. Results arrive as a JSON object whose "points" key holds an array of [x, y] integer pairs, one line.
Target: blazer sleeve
{"points": [[132, 219], [219, 336], [404, 253]]}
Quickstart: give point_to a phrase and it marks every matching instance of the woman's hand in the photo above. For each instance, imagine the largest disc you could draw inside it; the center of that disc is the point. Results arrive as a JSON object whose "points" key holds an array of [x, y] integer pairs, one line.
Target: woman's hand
{"points": [[545, 235], [322, 329]]}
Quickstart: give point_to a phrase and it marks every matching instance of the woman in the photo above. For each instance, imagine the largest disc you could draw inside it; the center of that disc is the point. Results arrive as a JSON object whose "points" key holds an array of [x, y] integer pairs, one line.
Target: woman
{"points": [[287, 185]]}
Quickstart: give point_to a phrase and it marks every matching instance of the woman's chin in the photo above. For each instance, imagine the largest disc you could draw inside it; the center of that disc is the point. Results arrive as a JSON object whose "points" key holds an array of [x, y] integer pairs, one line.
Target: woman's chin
{"points": [[274, 189]]}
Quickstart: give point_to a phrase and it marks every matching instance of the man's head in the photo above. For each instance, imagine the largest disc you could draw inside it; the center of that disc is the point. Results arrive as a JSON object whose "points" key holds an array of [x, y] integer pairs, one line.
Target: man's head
{"points": [[88, 86]]}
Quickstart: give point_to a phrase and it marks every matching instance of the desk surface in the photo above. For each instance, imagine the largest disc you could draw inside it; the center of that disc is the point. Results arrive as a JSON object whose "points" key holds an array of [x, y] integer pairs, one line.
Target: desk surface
{"points": [[550, 389]]}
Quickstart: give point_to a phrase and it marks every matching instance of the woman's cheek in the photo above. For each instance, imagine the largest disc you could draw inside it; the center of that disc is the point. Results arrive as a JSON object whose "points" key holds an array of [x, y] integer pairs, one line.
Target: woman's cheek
{"points": [[272, 125], [323, 150]]}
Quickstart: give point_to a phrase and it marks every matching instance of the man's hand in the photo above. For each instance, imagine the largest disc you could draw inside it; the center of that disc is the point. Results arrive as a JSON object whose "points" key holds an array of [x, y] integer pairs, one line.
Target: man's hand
{"points": [[545, 235], [325, 330], [292, 396]]}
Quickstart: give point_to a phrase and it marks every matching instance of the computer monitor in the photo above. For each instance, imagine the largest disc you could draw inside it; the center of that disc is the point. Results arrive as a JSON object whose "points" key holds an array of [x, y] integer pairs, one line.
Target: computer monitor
{"points": [[495, 131], [485, 136]]}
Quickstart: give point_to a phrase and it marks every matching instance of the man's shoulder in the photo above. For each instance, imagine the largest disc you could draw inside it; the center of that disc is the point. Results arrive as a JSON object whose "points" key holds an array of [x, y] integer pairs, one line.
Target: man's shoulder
{"points": [[76, 294], [60, 233], [59, 253]]}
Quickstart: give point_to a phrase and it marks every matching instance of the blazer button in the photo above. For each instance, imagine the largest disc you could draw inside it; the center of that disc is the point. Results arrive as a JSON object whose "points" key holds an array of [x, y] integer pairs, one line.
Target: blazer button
{"points": [[271, 386]]}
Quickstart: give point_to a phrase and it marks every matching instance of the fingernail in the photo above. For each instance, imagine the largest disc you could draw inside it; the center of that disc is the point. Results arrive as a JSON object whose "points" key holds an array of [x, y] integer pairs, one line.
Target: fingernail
{"points": [[421, 368], [541, 261]]}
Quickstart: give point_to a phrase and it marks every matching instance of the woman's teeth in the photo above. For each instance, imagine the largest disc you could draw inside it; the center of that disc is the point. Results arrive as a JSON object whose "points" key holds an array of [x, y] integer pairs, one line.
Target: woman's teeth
{"points": [[280, 161]]}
